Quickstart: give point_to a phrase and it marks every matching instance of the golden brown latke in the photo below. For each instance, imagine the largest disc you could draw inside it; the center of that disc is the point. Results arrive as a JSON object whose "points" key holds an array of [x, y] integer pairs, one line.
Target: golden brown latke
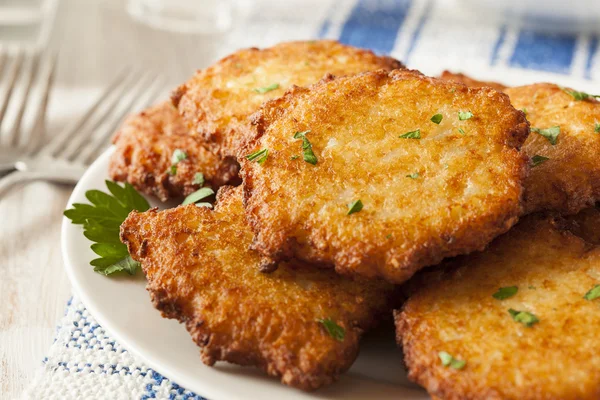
{"points": [[145, 144], [217, 100], [585, 224], [467, 80], [200, 271], [570, 180], [467, 190], [452, 310]]}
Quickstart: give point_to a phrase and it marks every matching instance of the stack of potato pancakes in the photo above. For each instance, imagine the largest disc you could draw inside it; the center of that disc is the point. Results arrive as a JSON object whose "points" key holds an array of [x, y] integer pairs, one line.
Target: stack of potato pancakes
{"points": [[350, 190]]}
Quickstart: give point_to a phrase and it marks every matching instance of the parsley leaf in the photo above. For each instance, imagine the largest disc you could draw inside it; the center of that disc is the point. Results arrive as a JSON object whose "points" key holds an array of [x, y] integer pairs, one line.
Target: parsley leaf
{"points": [[597, 127], [505, 292], [355, 207], [524, 317], [578, 96], [537, 160], [550, 133], [178, 155], [198, 195], [461, 131], [414, 175], [593, 293], [437, 118], [198, 179], [524, 111], [465, 115], [101, 222], [449, 361], [308, 154], [294, 157], [260, 156], [411, 135], [266, 89], [333, 329]]}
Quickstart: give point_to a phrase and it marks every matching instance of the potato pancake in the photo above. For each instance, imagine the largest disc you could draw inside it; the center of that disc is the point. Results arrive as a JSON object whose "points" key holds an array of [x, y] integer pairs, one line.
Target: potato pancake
{"points": [[217, 101], [145, 145], [381, 174], [518, 321], [467, 80], [300, 324]]}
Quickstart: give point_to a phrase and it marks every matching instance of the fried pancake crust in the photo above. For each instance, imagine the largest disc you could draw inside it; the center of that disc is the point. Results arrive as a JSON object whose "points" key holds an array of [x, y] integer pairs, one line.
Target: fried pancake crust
{"points": [[452, 310], [145, 144], [201, 272], [217, 100], [467, 80], [467, 191], [570, 180]]}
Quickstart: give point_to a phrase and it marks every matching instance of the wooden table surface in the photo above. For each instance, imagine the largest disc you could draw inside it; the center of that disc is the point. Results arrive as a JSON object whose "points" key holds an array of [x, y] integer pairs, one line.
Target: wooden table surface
{"points": [[95, 39]]}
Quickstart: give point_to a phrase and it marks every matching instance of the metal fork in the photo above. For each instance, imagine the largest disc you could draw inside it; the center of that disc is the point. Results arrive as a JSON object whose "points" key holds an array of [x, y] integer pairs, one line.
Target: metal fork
{"points": [[65, 156]]}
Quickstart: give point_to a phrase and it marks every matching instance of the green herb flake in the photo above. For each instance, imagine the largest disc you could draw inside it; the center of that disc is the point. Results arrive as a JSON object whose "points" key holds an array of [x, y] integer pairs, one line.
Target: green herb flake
{"points": [[172, 170], [266, 89], [437, 118], [524, 111], [198, 179], [524, 317], [461, 131], [355, 207], [593, 294], [578, 96], [465, 115], [505, 292], [294, 157], [198, 195], [531, 287], [449, 361], [411, 135], [204, 204], [308, 154], [101, 221], [596, 128], [333, 329], [414, 175], [260, 156], [550, 133], [388, 236], [537, 160], [178, 155]]}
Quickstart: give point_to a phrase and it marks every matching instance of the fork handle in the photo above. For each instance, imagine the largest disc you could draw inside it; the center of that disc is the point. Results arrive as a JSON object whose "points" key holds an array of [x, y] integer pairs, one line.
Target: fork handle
{"points": [[65, 176]]}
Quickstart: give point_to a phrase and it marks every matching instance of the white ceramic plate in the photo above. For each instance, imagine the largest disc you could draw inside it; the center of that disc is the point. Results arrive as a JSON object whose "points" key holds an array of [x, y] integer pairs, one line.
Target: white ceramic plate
{"points": [[123, 307]]}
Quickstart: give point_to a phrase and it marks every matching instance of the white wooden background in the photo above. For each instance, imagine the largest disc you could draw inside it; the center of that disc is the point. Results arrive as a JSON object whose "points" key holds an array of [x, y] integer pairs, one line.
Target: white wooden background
{"points": [[95, 38]]}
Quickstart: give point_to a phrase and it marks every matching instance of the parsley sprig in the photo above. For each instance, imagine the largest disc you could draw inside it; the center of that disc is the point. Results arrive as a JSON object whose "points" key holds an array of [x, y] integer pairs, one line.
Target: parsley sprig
{"points": [[505, 292], [178, 155], [549, 133], [333, 329], [537, 160], [266, 89], [525, 317], [101, 222], [448, 360], [579, 96], [307, 151]]}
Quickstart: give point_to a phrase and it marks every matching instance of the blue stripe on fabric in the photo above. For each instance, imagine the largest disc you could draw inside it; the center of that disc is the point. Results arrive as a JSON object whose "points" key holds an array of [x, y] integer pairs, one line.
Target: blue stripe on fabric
{"points": [[593, 48], [375, 24], [544, 51], [417, 33], [498, 45]]}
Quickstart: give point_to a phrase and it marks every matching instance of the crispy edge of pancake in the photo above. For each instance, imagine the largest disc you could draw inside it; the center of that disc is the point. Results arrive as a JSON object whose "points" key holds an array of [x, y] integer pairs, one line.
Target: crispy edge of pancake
{"points": [[201, 272], [276, 246], [144, 145], [432, 293], [468, 81], [219, 115]]}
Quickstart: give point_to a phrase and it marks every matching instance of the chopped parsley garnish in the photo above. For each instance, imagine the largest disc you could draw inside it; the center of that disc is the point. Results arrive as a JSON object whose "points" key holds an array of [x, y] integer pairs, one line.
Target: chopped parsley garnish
{"points": [[294, 157], [308, 154], [266, 89], [414, 175], [178, 155], [449, 361], [198, 179], [461, 131], [333, 329], [550, 133], [524, 111], [388, 236], [260, 156], [537, 160], [198, 195], [411, 135], [593, 294], [465, 115], [579, 96], [597, 127], [437, 118], [101, 222], [524, 317], [505, 292], [355, 207]]}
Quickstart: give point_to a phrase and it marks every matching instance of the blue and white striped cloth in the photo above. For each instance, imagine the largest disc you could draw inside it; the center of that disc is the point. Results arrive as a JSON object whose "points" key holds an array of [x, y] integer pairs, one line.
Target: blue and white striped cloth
{"points": [[430, 35]]}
